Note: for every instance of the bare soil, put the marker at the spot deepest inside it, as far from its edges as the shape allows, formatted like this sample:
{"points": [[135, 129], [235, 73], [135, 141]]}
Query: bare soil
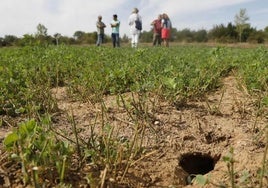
{"points": [[205, 128]]}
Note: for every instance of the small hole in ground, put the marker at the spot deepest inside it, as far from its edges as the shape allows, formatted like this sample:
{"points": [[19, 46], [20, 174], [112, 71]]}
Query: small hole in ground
{"points": [[197, 163]]}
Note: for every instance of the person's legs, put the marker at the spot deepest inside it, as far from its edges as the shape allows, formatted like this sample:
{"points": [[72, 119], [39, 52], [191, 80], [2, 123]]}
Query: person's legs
{"points": [[167, 43], [137, 39], [159, 40], [155, 39], [113, 39], [101, 38], [133, 40], [98, 40], [117, 39]]}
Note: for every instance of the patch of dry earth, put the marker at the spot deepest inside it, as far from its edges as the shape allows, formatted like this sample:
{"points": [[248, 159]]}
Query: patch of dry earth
{"points": [[212, 126]]}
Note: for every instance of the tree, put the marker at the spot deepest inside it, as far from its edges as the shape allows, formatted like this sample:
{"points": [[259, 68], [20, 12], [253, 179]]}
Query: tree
{"points": [[256, 36], [41, 35], [2, 42], [266, 29], [10, 40], [146, 36], [217, 32], [201, 36], [185, 35], [27, 40], [231, 31], [241, 22], [78, 35], [125, 38], [41, 30]]}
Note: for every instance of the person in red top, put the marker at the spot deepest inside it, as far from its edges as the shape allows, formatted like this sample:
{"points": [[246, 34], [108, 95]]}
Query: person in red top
{"points": [[157, 31], [166, 29]]}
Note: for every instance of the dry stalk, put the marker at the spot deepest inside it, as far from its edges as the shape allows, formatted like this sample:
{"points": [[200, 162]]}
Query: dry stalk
{"points": [[104, 176], [264, 160]]}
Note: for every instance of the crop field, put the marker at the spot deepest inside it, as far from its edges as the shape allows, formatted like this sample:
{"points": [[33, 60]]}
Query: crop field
{"points": [[86, 116]]}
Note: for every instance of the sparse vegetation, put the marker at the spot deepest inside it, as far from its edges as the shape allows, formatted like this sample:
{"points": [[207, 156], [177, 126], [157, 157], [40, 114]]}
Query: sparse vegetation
{"points": [[49, 146]]}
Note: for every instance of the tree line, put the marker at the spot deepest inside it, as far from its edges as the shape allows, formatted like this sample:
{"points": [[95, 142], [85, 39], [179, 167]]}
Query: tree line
{"points": [[239, 31]]}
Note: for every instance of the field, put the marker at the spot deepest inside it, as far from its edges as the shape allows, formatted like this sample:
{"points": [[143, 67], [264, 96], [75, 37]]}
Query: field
{"points": [[184, 116]]}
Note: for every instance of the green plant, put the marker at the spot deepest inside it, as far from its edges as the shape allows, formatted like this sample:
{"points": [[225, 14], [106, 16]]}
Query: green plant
{"points": [[215, 109], [176, 75], [37, 150], [229, 159]]}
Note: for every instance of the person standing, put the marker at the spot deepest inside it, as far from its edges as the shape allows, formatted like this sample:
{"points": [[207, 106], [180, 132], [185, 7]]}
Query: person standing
{"points": [[157, 31], [134, 29], [166, 29], [100, 31], [115, 24]]}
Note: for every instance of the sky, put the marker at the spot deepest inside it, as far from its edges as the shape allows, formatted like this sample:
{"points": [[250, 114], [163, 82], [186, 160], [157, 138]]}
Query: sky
{"points": [[19, 17]]}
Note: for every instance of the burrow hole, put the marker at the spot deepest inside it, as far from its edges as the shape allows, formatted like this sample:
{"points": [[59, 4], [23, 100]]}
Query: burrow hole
{"points": [[197, 163]]}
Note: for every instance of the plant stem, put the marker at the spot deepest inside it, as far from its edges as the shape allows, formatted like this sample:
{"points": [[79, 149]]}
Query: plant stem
{"points": [[76, 136], [264, 160]]}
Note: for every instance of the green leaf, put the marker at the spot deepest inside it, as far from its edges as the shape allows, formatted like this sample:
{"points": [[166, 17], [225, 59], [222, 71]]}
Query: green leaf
{"points": [[170, 82], [20, 110], [14, 156], [245, 177], [226, 158], [11, 139], [265, 101], [30, 125], [201, 180]]}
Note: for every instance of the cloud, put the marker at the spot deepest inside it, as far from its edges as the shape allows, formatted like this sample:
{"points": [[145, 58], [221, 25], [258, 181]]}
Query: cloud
{"points": [[12, 12], [260, 11], [181, 10], [180, 7], [19, 17], [63, 16]]}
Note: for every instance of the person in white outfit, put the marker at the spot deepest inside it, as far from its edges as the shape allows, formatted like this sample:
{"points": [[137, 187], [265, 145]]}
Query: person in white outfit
{"points": [[135, 33]]}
